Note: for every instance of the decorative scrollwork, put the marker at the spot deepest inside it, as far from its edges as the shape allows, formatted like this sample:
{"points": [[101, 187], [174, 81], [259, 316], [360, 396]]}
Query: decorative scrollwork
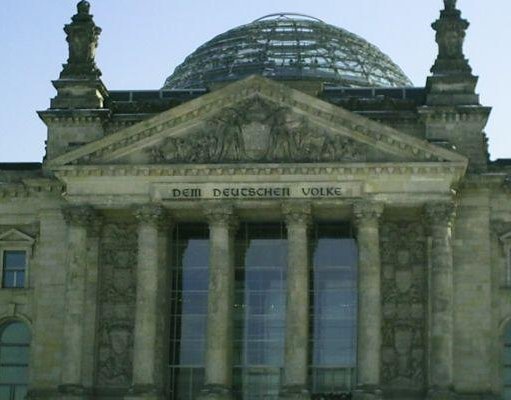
{"points": [[403, 261]]}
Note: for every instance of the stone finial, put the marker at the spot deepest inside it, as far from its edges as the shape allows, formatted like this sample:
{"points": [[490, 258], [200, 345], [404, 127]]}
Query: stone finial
{"points": [[83, 7], [450, 4], [82, 37], [450, 35]]}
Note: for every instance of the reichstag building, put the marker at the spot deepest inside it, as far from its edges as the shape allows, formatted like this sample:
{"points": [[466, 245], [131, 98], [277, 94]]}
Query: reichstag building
{"points": [[288, 217]]}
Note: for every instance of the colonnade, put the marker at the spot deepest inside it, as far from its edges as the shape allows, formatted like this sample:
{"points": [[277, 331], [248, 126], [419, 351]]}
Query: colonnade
{"points": [[218, 356]]}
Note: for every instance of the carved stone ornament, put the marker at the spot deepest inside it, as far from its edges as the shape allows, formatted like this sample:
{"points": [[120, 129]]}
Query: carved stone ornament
{"points": [[221, 214], [450, 35], [440, 213], [117, 297], [151, 214], [80, 215], [297, 213], [257, 130], [82, 38], [365, 211], [404, 304]]}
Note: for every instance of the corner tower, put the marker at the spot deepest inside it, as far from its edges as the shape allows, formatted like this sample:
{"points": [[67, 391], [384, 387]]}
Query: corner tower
{"points": [[76, 115], [453, 112]]}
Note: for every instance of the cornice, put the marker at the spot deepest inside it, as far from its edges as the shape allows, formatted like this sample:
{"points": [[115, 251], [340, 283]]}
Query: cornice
{"points": [[455, 168], [446, 114], [32, 188], [78, 117]]}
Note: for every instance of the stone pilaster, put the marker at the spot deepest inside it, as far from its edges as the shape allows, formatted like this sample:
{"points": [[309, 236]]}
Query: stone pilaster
{"points": [[294, 385], [441, 299], [367, 216], [79, 220], [218, 357], [91, 302], [145, 377]]}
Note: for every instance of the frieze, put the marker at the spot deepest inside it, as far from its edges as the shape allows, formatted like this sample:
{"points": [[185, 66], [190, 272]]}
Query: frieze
{"points": [[117, 297], [403, 260], [256, 130]]}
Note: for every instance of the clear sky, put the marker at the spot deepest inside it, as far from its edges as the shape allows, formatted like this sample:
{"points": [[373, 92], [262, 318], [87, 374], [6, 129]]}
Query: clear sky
{"points": [[143, 41]]}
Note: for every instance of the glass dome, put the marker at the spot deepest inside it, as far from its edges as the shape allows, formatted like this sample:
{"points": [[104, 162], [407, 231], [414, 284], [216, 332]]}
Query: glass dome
{"points": [[288, 47]]}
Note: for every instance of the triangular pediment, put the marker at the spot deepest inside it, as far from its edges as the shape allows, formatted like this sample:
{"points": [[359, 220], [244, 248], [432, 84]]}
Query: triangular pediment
{"points": [[14, 236], [256, 120]]}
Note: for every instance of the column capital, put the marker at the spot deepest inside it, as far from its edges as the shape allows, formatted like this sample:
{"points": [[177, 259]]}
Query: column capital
{"points": [[222, 214], [152, 214], [80, 215], [297, 212], [366, 211], [440, 212]]}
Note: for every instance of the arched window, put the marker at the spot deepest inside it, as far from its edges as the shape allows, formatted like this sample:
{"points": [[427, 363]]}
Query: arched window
{"points": [[14, 353]]}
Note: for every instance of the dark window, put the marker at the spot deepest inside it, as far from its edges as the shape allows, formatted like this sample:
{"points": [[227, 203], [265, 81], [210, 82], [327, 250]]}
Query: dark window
{"points": [[14, 349], [14, 269], [259, 310], [333, 308], [506, 378], [189, 306]]}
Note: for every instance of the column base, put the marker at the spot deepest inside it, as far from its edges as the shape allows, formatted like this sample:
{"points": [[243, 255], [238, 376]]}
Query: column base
{"points": [[73, 392], [144, 392], [367, 392], [440, 394], [215, 392], [298, 392]]}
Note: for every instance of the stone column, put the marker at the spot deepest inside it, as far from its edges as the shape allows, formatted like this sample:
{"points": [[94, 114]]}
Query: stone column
{"points": [[219, 336], [145, 378], [79, 220], [369, 340], [441, 299], [294, 385]]}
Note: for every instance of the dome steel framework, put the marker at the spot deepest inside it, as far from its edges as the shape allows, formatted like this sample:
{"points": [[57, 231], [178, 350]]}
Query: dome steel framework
{"points": [[288, 46]]}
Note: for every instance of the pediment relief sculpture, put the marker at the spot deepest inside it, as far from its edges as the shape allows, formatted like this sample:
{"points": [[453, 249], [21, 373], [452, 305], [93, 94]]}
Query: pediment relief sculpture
{"points": [[257, 131]]}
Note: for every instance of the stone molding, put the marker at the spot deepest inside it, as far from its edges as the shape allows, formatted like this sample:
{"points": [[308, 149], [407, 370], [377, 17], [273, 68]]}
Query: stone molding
{"points": [[83, 216], [263, 169], [32, 188], [297, 213], [152, 214], [367, 211]]}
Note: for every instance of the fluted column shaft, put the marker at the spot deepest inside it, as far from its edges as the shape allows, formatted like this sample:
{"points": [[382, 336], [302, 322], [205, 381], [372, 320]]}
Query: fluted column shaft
{"points": [[79, 221], [441, 295], [150, 220], [369, 297], [298, 218], [218, 356]]}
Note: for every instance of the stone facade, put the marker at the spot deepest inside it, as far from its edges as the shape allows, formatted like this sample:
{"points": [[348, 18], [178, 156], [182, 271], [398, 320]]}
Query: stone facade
{"points": [[432, 217]]}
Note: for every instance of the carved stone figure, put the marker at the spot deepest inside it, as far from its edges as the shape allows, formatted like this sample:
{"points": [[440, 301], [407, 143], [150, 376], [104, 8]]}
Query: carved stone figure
{"points": [[115, 361], [257, 130], [82, 38]]}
